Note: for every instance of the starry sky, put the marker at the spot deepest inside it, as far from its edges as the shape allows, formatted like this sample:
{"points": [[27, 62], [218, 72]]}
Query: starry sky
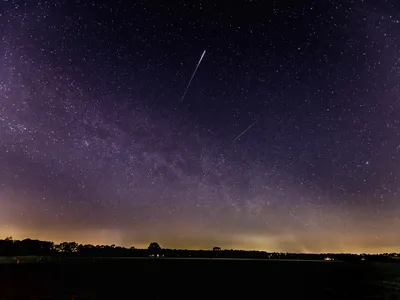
{"points": [[287, 138]]}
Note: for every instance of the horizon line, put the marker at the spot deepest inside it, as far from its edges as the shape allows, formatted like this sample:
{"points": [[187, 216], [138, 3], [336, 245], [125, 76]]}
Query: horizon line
{"points": [[204, 249]]}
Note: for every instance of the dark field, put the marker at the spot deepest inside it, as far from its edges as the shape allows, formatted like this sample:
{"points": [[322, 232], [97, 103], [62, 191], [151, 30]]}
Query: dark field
{"points": [[199, 279]]}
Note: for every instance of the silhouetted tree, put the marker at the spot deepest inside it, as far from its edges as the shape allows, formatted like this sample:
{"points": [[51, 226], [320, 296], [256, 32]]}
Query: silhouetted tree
{"points": [[154, 248], [214, 252], [33, 247], [7, 246], [67, 247]]}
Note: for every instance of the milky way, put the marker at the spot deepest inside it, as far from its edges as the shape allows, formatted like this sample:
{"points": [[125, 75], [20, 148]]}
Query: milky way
{"points": [[96, 147]]}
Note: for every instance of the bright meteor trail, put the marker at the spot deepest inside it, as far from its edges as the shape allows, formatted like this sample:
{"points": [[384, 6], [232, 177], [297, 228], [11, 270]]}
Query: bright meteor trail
{"points": [[194, 73]]}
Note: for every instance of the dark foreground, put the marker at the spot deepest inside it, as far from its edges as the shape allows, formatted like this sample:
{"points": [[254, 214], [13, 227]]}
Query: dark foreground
{"points": [[199, 279]]}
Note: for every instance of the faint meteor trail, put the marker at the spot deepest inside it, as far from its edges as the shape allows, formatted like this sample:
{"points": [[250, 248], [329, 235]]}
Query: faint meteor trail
{"points": [[244, 131], [238, 137], [194, 73]]}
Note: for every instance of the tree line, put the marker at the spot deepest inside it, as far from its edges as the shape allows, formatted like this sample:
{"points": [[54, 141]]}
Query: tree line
{"points": [[30, 247]]}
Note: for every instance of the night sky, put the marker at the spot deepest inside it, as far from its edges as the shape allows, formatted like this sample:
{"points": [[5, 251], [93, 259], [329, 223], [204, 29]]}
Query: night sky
{"points": [[286, 140]]}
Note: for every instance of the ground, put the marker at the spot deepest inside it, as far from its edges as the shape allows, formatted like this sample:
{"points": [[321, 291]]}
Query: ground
{"points": [[200, 279]]}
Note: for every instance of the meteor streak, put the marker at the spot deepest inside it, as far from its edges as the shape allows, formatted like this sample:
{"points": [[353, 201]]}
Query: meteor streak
{"points": [[243, 132], [194, 73]]}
